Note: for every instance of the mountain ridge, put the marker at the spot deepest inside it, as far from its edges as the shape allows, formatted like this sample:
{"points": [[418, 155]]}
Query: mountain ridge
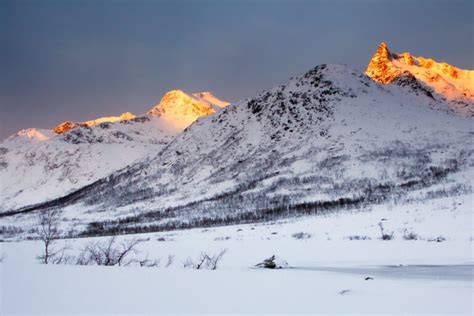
{"points": [[331, 138], [197, 101], [327, 139], [444, 81], [38, 165]]}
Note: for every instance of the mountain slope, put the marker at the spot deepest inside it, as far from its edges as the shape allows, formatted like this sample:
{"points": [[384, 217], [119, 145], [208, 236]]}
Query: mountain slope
{"points": [[39, 165], [209, 98], [446, 82], [328, 139]]}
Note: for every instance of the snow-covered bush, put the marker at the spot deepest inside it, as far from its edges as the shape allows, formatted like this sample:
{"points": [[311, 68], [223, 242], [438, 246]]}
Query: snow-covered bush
{"points": [[385, 236], [273, 262], [409, 235], [437, 239]]}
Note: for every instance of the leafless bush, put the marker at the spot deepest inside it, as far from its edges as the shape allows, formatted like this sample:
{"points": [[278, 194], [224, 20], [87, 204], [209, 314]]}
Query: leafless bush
{"points": [[301, 235], [385, 236], [2, 257], [223, 238], [201, 262], [110, 253], [358, 237], [205, 261], [214, 260]]}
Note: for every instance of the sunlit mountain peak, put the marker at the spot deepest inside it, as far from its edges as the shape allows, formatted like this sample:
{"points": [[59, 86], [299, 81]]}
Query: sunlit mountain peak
{"points": [[68, 125], [181, 109], [33, 134], [447, 81]]}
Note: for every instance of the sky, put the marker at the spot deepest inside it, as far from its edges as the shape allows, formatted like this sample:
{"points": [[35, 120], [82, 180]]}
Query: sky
{"points": [[78, 60]]}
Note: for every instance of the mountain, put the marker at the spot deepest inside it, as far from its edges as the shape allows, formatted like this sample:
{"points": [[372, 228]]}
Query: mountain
{"points": [[443, 81], [66, 126], [32, 135], [329, 139], [172, 110], [37, 165]]}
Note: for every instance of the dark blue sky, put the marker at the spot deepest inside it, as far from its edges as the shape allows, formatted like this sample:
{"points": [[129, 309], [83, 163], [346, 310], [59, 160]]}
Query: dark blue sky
{"points": [[79, 60]]}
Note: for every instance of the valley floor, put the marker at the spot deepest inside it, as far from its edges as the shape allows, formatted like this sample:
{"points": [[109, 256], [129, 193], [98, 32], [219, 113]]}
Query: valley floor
{"points": [[327, 274]]}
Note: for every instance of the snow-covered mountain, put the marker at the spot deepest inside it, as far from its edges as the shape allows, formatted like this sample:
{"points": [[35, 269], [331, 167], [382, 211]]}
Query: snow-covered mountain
{"points": [[37, 165], [443, 81], [65, 126], [329, 139]]}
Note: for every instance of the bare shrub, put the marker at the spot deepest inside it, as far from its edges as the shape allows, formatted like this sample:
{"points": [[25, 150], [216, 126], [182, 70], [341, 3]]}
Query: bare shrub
{"points": [[213, 261], [301, 235], [2, 257], [205, 261], [385, 236], [201, 262], [110, 253], [223, 238], [358, 237]]}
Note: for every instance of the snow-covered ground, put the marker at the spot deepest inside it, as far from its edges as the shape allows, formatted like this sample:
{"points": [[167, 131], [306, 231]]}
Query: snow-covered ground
{"points": [[327, 274]]}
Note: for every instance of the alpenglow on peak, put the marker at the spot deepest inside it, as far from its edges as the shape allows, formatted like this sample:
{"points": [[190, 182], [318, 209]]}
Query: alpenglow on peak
{"points": [[446, 81]]}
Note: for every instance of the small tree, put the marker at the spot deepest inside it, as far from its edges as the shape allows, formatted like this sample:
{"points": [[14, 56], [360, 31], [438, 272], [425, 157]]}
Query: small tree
{"points": [[48, 232]]}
